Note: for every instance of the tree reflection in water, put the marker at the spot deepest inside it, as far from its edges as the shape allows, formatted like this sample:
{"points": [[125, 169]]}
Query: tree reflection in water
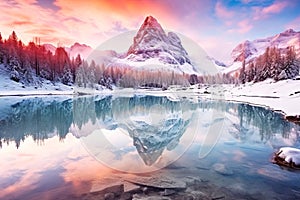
{"points": [[41, 118]]}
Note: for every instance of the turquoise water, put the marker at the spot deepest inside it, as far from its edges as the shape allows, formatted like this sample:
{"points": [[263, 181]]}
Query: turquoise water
{"points": [[59, 146]]}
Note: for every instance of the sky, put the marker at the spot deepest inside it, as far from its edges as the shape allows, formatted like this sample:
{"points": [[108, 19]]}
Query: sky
{"points": [[216, 25]]}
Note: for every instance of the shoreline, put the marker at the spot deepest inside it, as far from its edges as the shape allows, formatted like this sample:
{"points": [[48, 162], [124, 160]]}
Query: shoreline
{"points": [[282, 96]]}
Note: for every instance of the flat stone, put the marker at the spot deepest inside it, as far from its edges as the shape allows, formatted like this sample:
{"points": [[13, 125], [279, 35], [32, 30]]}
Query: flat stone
{"points": [[130, 187], [116, 188], [222, 169], [162, 182]]}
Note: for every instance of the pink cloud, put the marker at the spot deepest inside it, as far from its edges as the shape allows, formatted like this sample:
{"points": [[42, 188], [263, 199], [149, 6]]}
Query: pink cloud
{"points": [[265, 12], [243, 26], [276, 7], [222, 12]]}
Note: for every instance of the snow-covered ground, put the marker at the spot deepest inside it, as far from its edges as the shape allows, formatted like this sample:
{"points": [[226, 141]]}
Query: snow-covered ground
{"points": [[279, 96], [9, 87]]}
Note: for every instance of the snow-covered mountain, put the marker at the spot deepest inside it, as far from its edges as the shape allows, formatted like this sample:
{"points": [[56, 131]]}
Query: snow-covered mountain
{"points": [[249, 50], [252, 49], [154, 49], [82, 49], [50, 47]]}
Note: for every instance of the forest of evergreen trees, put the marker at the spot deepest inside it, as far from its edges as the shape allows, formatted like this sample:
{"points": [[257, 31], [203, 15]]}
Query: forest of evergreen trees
{"points": [[275, 63], [31, 64]]}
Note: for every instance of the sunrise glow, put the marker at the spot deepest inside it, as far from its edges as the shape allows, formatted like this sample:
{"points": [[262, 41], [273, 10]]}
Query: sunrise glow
{"points": [[210, 23]]}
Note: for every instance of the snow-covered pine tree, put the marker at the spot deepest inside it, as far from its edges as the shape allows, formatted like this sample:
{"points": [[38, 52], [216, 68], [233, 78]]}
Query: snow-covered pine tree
{"points": [[82, 75], [242, 76], [91, 74], [67, 77], [290, 67]]}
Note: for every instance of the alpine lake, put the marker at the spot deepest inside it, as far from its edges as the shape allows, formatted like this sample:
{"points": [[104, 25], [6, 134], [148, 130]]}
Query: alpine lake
{"points": [[142, 146]]}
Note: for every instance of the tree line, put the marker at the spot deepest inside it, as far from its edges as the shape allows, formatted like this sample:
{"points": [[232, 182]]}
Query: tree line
{"points": [[275, 63], [30, 64]]}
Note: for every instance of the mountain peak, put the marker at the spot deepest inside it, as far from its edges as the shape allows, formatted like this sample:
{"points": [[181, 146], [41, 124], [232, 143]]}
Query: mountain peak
{"points": [[151, 41], [290, 30], [151, 22], [150, 32]]}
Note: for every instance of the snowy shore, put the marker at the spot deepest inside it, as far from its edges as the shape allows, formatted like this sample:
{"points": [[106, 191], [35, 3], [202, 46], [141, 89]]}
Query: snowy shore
{"points": [[283, 96]]}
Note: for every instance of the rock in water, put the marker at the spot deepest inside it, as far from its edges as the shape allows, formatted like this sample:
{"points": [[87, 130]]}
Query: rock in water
{"points": [[168, 192], [222, 169], [288, 156], [158, 182], [109, 196]]}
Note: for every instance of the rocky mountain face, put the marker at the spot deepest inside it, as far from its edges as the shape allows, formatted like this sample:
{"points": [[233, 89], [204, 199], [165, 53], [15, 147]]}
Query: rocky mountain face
{"points": [[151, 41]]}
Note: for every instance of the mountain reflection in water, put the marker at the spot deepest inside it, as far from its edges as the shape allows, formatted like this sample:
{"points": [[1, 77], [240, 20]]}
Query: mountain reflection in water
{"points": [[135, 134], [42, 117]]}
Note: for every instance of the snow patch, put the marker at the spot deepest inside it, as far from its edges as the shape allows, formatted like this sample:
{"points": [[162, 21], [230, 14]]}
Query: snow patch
{"points": [[290, 155]]}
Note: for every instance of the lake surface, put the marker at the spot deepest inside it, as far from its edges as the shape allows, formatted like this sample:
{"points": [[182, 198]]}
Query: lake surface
{"points": [[60, 147]]}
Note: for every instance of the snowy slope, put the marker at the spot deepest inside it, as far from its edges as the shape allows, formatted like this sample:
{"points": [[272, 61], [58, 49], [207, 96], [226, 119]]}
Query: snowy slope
{"points": [[252, 49], [45, 87]]}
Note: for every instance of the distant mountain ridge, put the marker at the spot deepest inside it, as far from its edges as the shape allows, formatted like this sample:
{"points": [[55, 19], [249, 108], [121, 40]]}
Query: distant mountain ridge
{"points": [[77, 48], [252, 49]]}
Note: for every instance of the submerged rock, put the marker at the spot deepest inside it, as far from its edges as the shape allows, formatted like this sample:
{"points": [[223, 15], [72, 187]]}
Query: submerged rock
{"points": [[161, 182], [168, 192], [222, 169], [109, 196], [131, 188], [154, 197], [108, 186], [198, 195]]}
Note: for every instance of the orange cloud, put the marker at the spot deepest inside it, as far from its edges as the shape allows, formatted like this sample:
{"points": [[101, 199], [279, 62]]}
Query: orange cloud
{"points": [[93, 22], [20, 23]]}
